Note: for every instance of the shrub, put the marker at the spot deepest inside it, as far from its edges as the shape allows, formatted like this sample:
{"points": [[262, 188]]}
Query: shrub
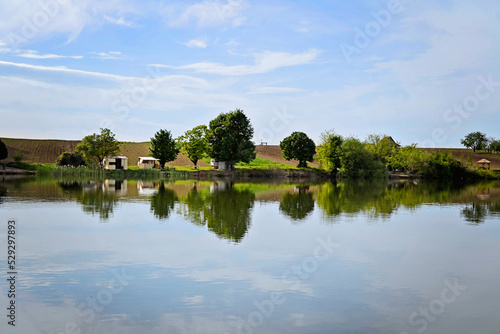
{"points": [[19, 156], [70, 159]]}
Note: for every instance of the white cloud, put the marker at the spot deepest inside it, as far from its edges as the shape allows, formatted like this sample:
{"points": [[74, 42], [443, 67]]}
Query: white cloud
{"points": [[35, 55], [263, 63], [22, 22], [63, 69], [119, 21], [108, 55], [209, 13], [196, 43], [275, 90]]}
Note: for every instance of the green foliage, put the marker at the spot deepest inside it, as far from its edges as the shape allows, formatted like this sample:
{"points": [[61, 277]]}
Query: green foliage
{"points": [[382, 147], [194, 143], [163, 147], [442, 166], [408, 159], [493, 145], [98, 146], [70, 159], [230, 138], [330, 151], [3, 150], [475, 140], [298, 146], [19, 156], [359, 162]]}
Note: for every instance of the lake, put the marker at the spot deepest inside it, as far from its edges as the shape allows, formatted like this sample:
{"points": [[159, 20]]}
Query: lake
{"points": [[149, 256]]}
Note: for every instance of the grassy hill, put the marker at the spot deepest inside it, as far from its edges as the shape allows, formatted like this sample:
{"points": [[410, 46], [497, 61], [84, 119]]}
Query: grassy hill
{"points": [[47, 151]]}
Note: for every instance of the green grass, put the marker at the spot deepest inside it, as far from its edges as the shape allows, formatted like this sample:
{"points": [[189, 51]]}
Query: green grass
{"points": [[259, 163]]}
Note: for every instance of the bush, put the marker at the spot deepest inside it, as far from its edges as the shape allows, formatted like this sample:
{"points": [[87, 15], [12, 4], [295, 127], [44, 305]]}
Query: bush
{"points": [[358, 162], [19, 156], [70, 159], [442, 165]]}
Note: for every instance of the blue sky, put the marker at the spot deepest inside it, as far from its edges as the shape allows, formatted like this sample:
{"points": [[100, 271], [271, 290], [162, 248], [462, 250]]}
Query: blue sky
{"points": [[422, 72]]}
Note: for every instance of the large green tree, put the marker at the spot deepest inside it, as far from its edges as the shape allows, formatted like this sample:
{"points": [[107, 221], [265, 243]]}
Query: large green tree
{"points": [[330, 151], [298, 146], [163, 147], [3, 151], [98, 146], [194, 143], [230, 138], [475, 140]]}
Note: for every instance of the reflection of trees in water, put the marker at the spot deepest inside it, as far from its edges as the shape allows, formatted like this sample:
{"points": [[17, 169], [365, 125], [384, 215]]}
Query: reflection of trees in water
{"points": [[382, 199], [477, 212], [3, 193], [226, 212], [91, 197], [297, 205], [163, 202]]}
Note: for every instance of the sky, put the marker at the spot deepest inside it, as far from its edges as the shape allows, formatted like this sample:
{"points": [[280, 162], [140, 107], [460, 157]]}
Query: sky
{"points": [[424, 72]]}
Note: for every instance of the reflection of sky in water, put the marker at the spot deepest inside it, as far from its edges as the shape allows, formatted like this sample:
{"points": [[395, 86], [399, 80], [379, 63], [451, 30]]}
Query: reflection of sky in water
{"points": [[187, 280]]}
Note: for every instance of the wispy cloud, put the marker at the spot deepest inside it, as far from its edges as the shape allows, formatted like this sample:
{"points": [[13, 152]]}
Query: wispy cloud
{"points": [[120, 21], [196, 43], [35, 55], [63, 69], [208, 13], [275, 90], [263, 63], [108, 55]]}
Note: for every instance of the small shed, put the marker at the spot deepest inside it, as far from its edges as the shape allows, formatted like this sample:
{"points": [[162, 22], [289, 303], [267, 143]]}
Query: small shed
{"points": [[148, 163], [115, 162], [484, 164], [223, 165]]}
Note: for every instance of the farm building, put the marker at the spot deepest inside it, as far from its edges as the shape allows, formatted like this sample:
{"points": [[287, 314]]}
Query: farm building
{"points": [[115, 162], [484, 164], [223, 165], [148, 163]]}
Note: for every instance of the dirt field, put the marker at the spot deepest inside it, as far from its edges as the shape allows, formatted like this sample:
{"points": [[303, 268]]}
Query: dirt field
{"points": [[47, 151], [463, 154]]}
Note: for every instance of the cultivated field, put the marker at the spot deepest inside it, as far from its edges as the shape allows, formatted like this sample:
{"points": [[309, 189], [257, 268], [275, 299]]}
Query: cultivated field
{"points": [[47, 151]]}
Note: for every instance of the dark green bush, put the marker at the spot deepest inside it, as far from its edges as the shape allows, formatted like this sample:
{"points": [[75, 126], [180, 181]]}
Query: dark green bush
{"points": [[70, 159]]}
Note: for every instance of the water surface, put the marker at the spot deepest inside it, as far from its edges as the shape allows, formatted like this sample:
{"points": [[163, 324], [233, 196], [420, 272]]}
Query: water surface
{"points": [[137, 256]]}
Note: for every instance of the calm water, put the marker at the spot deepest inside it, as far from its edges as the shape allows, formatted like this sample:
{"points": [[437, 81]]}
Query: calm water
{"points": [[203, 257]]}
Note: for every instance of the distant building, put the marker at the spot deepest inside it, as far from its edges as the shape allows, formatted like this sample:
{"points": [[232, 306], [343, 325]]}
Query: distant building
{"points": [[148, 163], [390, 140], [484, 164], [222, 165], [115, 162]]}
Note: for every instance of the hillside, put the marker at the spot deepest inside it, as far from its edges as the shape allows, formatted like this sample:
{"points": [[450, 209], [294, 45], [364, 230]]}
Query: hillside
{"points": [[47, 151]]}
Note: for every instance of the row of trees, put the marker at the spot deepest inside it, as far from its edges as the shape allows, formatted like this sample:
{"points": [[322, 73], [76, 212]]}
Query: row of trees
{"points": [[228, 137], [479, 141]]}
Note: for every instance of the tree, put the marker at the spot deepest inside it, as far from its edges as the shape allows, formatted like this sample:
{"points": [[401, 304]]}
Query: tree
{"points": [[163, 147], [359, 162], [230, 138], [330, 150], [495, 145], [70, 159], [298, 146], [475, 140], [98, 146], [18, 156], [3, 152], [382, 146], [194, 143]]}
